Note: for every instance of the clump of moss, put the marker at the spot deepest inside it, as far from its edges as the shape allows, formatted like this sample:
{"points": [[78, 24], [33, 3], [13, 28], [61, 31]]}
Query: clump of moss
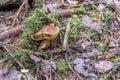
{"points": [[36, 21], [62, 66], [21, 56], [37, 3], [75, 25]]}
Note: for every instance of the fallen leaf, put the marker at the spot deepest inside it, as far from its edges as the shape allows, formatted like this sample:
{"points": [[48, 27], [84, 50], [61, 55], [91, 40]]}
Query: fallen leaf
{"points": [[8, 74], [35, 58], [94, 52], [52, 7], [87, 46], [113, 44], [110, 2], [77, 47], [103, 66], [83, 66], [89, 23], [46, 66]]}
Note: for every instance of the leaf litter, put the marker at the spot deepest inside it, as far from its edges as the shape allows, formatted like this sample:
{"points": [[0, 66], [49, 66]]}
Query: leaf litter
{"points": [[90, 57]]}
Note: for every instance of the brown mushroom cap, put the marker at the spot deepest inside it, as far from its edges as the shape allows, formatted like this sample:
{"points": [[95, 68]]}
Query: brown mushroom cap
{"points": [[49, 32]]}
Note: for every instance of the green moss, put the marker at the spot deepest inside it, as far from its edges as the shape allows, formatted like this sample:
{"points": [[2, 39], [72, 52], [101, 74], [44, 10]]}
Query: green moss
{"points": [[75, 25], [22, 56], [38, 3], [62, 66], [116, 59], [1, 54], [36, 21], [100, 46]]}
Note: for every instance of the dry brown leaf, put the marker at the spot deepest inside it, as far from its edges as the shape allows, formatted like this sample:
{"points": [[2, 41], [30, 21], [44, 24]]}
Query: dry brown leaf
{"points": [[8, 74], [93, 25], [103, 66]]}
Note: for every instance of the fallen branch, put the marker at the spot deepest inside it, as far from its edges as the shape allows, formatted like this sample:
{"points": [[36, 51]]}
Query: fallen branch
{"points": [[11, 32]]}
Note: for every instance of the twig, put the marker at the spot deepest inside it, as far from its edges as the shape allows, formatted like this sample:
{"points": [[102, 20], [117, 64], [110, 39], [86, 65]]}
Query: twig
{"points": [[8, 51], [26, 7], [17, 14], [24, 50], [12, 56], [56, 50], [65, 42]]}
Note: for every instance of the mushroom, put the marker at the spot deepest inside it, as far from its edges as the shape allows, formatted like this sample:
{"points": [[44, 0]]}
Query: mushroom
{"points": [[46, 34]]}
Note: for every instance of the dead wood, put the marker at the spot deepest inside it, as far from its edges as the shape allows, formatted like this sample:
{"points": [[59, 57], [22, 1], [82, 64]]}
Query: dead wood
{"points": [[11, 32]]}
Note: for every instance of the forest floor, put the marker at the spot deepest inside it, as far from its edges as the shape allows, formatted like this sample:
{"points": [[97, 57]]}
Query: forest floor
{"points": [[61, 40]]}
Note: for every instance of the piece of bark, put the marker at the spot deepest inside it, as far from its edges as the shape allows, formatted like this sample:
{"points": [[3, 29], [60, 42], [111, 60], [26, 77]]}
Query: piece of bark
{"points": [[11, 32]]}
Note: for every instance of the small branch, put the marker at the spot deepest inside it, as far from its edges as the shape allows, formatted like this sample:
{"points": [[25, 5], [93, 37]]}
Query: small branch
{"points": [[26, 7], [11, 32], [24, 50], [8, 51]]}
